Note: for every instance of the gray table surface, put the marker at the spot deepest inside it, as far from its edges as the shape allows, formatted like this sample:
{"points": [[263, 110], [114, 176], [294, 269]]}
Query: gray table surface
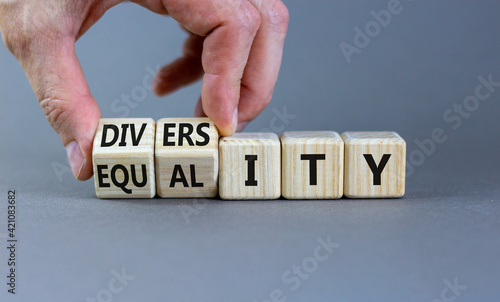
{"points": [[445, 230]]}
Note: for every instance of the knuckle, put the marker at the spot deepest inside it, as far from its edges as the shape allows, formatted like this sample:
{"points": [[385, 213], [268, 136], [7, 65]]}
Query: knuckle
{"points": [[30, 29], [17, 43], [249, 19], [25, 40], [15, 29], [278, 16], [55, 111]]}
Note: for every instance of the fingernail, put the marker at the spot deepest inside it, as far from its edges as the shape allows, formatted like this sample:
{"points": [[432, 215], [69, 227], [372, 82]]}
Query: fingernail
{"points": [[234, 124], [76, 158], [241, 126]]}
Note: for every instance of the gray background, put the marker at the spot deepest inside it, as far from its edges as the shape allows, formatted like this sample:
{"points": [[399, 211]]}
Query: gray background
{"points": [[446, 227]]}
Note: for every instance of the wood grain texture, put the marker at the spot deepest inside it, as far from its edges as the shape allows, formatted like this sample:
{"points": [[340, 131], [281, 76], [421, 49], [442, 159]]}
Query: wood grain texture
{"points": [[359, 179], [237, 155], [123, 160], [187, 165], [312, 165]]}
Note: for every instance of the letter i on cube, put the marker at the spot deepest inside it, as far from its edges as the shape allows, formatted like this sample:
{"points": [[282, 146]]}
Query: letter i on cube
{"points": [[123, 158], [250, 166]]}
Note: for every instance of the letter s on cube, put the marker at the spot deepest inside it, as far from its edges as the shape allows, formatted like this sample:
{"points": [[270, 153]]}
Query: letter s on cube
{"points": [[123, 158]]}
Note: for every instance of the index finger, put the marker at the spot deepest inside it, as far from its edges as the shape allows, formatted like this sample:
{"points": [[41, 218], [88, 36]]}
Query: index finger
{"points": [[261, 72], [230, 28]]}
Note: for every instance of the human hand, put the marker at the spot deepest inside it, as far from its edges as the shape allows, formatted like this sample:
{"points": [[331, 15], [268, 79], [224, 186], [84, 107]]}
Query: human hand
{"points": [[235, 45]]}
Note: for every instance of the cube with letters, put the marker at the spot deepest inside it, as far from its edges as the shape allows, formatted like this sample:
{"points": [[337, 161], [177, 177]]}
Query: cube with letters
{"points": [[187, 158], [123, 158], [374, 164], [312, 165], [250, 166]]}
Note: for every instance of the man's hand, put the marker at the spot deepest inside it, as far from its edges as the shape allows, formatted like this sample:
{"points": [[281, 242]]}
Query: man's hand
{"points": [[236, 45]]}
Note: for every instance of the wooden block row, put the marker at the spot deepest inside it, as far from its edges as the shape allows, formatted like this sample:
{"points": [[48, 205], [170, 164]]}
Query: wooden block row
{"points": [[180, 158]]}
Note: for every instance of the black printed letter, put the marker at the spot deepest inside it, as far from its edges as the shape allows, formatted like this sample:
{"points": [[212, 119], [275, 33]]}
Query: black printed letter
{"points": [[313, 171], [377, 171], [251, 181]]}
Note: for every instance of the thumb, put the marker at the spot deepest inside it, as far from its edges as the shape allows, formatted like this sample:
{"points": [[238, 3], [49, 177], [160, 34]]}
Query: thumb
{"points": [[60, 86]]}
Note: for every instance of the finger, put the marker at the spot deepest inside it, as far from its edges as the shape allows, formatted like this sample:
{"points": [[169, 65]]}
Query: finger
{"points": [[224, 59], [261, 72], [198, 112], [183, 71], [60, 86], [198, 109], [230, 28]]}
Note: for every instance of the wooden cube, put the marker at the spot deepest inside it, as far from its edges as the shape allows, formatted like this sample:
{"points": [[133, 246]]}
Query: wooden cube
{"points": [[250, 166], [187, 157], [123, 158], [312, 165], [374, 164]]}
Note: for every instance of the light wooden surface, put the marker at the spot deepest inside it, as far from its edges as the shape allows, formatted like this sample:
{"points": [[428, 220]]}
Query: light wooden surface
{"points": [[234, 179], [359, 178], [190, 169], [121, 165], [312, 165]]}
